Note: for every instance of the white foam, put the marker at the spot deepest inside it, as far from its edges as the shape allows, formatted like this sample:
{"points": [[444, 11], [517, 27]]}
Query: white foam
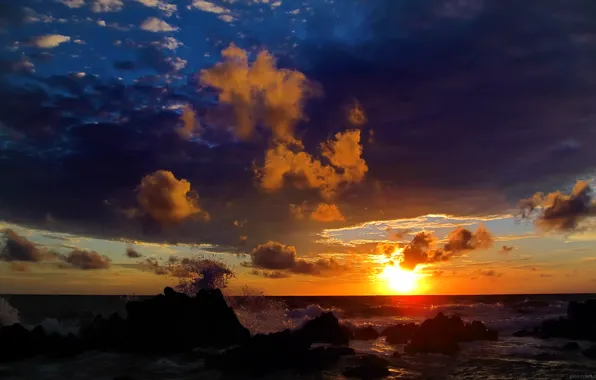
{"points": [[53, 326], [9, 315]]}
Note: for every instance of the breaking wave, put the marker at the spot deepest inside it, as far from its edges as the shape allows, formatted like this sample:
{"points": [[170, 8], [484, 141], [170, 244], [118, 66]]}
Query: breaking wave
{"points": [[8, 314]]}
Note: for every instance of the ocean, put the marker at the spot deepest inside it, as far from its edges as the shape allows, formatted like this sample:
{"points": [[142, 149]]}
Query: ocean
{"points": [[508, 358]]}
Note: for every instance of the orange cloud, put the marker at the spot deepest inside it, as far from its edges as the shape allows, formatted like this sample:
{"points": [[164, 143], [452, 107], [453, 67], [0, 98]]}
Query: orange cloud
{"points": [[190, 123], [356, 114], [344, 154], [166, 199], [296, 212], [259, 93], [327, 213]]}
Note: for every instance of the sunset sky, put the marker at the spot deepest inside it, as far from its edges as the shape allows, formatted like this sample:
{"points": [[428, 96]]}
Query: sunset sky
{"points": [[316, 147]]}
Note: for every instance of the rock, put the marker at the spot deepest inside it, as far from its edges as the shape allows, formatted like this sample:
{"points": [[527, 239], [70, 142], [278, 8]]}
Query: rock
{"points": [[590, 353], [401, 333], [571, 346], [579, 324], [175, 322], [523, 333], [370, 367], [365, 333], [325, 329], [17, 343]]}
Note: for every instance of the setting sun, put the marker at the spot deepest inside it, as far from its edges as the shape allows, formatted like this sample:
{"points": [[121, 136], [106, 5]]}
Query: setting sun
{"points": [[399, 280]]}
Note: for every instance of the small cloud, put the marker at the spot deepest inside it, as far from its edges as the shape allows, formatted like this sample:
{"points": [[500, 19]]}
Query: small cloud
{"points": [[488, 273], [86, 260], [168, 200], [327, 213], [239, 224], [296, 212], [132, 253], [19, 248], [153, 24], [356, 115], [169, 43], [506, 249], [162, 5], [80, 42], [207, 6], [72, 3], [100, 6], [49, 41], [190, 123], [269, 274], [18, 266]]}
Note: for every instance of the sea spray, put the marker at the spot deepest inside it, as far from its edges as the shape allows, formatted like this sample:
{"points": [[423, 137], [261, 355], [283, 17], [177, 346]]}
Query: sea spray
{"points": [[8, 314]]}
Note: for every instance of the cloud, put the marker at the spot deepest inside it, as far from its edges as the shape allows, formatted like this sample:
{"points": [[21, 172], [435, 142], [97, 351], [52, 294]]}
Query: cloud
{"points": [[207, 6], [72, 3], [153, 24], [506, 249], [190, 123], [259, 93], [167, 200], [132, 253], [423, 247], [19, 248], [100, 6], [49, 41], [86, 260], [327, 213], [344, 153], [488, 273], [277, 256], [560, 212], [356, 115], [162, 5], [296, 211], [269, 274], [18, 266], [169, 43]]}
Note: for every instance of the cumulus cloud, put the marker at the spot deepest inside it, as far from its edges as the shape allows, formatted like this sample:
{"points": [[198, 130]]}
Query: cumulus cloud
{"points": [[207, 6], [277, 256], [153, 24], [343, 152], [327, 213], [488, 273], [49, 41], [86, 260], [169, 43], [132, 253], [19, 248], [423, 249], [168, 200], [162, 5], [259, 93], [560, 212], [190, 123], [99, 6]]}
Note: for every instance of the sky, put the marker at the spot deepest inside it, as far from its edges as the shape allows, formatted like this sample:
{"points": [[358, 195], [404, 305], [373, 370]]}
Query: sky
{"points": [[313, 147]]}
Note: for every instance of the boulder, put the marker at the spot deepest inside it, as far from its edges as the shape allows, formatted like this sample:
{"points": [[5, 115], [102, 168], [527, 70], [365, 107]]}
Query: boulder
{"points": [[325, 329], [365, 333], [571, 346], [16, 343], [442, 335], [590, 353], [579, 324]]}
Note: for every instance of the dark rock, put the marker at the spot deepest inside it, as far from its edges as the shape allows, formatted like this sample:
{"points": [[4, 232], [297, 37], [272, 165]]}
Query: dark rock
{"points": [[523, 333], [547, 356], [442, 335], [370, 367], [571, 346], [579, 324], [590, 353], [401, 333], [365, 333], [325, 329], [16, 343]]}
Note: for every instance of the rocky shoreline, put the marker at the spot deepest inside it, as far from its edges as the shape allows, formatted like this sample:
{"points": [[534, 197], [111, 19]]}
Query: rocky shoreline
{"points": [[173, 322]]}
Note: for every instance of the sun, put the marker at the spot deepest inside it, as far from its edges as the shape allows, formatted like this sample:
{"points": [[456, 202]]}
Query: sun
{"points": [[399, 280]]}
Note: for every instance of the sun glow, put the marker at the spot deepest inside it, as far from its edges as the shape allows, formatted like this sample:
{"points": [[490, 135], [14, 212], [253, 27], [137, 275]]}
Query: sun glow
{"points": [[399, 280]]}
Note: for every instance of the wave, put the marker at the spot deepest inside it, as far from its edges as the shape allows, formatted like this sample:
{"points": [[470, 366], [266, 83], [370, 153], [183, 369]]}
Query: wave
{"points": [[53, 326], [9, 314]]}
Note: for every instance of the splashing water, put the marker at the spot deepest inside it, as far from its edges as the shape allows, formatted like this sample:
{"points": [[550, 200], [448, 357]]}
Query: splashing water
{"points": [[259, 314], [8, 314]]}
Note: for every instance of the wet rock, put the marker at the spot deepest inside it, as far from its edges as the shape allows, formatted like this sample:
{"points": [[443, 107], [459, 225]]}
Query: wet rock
{"points": [[400, 333], [365, 333], [579, 324], [571, 346], [16, 343], [325, 329], [442, 335], [370, 367]]}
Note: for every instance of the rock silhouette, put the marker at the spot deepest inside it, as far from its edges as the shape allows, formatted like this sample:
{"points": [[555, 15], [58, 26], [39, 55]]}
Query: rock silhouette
{"points": [[579, 324]]}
